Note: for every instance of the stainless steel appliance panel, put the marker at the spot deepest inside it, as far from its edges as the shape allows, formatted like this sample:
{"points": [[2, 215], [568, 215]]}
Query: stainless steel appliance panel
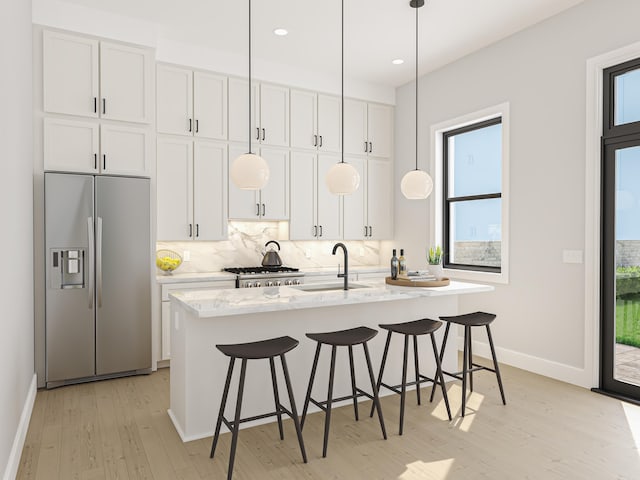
{"points": [[123, 275], [70, 327]]}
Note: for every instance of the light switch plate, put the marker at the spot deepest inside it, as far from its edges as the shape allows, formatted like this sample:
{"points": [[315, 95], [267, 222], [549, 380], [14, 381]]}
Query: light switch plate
{"points": [[572, 256]]}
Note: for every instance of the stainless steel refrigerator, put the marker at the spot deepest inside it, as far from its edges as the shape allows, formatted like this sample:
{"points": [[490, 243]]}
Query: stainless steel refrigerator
{"points": [[98, 274]]}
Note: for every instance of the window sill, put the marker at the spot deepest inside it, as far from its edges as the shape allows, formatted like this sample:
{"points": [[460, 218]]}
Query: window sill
{"points": [[488, 277]]}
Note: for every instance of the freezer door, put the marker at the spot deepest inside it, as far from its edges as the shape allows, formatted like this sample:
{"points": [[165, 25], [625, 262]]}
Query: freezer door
{"points": [[69, 314], [123, 275]]}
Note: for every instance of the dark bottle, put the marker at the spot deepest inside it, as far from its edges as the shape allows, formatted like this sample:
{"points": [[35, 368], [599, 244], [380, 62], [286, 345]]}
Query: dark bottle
{"points": [[395, 264], [402, 264]]}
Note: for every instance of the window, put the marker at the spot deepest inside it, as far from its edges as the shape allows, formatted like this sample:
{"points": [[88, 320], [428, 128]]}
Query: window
{"points": [[471, 164]]}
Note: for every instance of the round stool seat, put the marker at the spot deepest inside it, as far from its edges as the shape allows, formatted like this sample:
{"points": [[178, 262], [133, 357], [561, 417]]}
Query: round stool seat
{"points": [[415, 327], [351, 336], [475, 319], [263, 349]]}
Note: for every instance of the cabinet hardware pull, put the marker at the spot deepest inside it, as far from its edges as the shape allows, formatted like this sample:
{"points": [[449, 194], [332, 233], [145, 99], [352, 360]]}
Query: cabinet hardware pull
{"points": [[370, 147], [257, 133], [370, 231], [197, 127], [263, 210], [365, 231], [197, 229], [365, 147], [190, 230], [95, 161], [189, 124], [258, 210], [104, 161], [263, 134], [95, 104], [320, 230], [321, 140], [315, 140], [315, 230], [104, 106]]}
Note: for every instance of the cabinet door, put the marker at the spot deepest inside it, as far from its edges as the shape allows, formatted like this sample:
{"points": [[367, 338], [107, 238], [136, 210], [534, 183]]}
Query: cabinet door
{"points": [[274, 197], [126, 83], [174, 100], [174, 187], [303, 120], [210, 105], [354, 204], [380, 130], [70, 74], [210, 190], [239, 110], [328, 204], [303, 224], [380, 198], [329, 123], [355, 127], [166, 330], [274, 115], [125, 150], [243, 204], [70, 146]]}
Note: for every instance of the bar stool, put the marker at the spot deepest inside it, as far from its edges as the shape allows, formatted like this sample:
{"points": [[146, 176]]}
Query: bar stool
{"points": [[412, 329], [475, 319], [250, 351], [342, 338]]}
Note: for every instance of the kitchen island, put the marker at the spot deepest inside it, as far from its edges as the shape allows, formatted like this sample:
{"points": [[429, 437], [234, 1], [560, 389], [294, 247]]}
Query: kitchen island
{"points": [[202, 319]]}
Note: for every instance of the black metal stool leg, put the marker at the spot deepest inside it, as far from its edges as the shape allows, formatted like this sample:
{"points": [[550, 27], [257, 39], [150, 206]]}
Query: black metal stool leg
{"points": [[313, 375], [276, 397], [327, 416], [223, 404], [384, 361], [376, 398], [495, 365], [465, 360], [444, 343], [294, 411], [470, 362], [353, 383], [417, 366], [403, 387], [236, 422], [439, 375]]}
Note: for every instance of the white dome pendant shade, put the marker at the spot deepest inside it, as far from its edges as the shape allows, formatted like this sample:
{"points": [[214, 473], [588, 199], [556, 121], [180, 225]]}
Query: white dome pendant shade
{"points": [[416, 185], [342, 179], [249, 172]]}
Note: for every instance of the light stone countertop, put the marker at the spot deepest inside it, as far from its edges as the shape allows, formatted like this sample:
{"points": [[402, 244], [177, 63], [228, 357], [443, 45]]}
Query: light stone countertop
{"points": [[220, 303]]}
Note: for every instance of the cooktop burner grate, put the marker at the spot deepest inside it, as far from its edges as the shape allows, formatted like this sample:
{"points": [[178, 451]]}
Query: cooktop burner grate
{"points": [[250, 270]]}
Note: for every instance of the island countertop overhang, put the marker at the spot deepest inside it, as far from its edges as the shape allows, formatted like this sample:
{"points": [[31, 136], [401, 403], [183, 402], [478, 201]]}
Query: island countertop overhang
{"points": [[241, 301]]}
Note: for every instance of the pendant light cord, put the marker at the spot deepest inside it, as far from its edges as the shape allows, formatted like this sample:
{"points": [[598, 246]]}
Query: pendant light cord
{"points": [[417, 8], [250, 129], [342, 73]]}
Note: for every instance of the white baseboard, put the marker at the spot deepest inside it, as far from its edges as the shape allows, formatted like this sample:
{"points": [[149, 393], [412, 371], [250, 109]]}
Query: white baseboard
{"points": [[541, 366], [21, 434]]}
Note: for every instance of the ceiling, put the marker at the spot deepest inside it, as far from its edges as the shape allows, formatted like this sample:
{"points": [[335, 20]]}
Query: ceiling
{"points": [[376, 31]]}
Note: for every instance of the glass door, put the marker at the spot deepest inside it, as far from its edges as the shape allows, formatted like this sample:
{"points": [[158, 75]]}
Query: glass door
{"points": [[620, 308]]}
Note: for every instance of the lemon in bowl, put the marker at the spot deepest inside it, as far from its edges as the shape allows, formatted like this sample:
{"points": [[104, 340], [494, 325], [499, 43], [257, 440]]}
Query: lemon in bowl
{"points": [[168, 261]]}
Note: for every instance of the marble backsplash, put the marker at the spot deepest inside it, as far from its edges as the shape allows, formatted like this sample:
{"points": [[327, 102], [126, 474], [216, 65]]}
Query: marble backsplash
{"points": [[245, 248]]}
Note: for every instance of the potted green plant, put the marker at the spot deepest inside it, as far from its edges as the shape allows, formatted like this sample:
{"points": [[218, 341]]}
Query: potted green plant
{"points": [[434, 259]]}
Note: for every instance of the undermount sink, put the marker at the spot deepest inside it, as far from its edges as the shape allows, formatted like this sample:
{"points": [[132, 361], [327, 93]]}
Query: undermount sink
{"points": [[326, 287]]}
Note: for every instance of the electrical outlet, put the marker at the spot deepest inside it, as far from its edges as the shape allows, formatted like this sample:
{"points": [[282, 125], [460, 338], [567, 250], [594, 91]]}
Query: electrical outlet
{"points": [[361, 251], [186, 255], [572, 256]]}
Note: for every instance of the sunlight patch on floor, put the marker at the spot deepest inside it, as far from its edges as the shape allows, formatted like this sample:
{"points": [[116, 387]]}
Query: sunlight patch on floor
{"points": [[474, 401], [632, 413], [420, 469]]}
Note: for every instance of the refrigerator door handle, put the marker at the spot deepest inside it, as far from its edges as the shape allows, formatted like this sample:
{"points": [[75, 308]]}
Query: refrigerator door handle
{"points": [[90, 241], [99, 260]]}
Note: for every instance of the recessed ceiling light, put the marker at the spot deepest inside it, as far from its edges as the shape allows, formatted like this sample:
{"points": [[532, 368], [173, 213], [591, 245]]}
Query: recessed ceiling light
{"points": [[281, 32], [397, 61]]}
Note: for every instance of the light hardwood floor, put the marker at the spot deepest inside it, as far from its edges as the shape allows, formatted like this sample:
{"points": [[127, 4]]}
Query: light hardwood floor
{"points": [[119, 429]]}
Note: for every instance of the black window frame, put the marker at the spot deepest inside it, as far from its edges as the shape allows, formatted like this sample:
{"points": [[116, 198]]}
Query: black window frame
{"points": [[447, 201], [609, 129]]}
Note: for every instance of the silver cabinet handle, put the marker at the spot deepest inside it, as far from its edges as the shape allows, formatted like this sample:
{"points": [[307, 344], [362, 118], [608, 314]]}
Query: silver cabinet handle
{"points": [[99, 260], [90, 241], [257, 209], [264, 210]]}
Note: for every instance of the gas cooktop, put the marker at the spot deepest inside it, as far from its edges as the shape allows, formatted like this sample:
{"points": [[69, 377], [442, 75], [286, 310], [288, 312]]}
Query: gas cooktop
{"points": [[257, 270]]}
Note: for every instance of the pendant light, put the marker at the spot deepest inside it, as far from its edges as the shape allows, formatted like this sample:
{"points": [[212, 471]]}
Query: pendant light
{"points": [[342, 178], [416, 184], [249, 171]]}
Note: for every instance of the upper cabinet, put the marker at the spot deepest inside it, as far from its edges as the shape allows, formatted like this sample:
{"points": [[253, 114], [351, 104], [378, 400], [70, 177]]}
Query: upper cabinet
{"points": [[191, 103], [368, 129], [269, 113], [97, 79], [315, 121]]}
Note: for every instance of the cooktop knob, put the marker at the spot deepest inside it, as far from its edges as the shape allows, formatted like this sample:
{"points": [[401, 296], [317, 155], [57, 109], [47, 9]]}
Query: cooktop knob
{"points": [[287, 282], [298, 282], [268, 283], [256, 284], [278, 283]]}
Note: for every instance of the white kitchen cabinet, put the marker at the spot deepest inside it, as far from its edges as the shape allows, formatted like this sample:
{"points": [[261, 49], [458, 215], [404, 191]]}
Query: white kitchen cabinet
{"points": [[368, 128], [93, 78], [269, 203], [368, 212], [315, 212], [315, 121], [191, 181], [269, 113], [88, 147], [191, 103]]}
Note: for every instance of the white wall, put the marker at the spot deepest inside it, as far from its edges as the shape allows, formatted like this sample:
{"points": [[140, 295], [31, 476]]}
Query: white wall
{"points": [[16, 239], [542, 73]]}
